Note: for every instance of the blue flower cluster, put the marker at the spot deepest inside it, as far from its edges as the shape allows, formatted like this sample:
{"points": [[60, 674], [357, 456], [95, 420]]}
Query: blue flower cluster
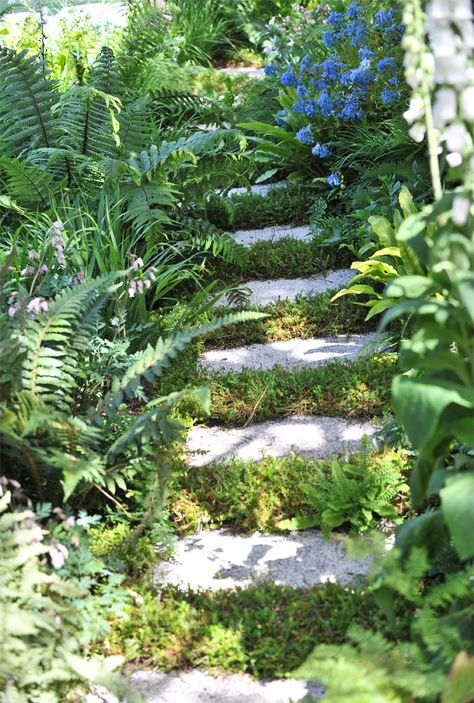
{"points": [[358, 68]]}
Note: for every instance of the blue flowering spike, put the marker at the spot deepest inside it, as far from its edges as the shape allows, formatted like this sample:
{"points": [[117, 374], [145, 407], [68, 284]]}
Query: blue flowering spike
{"points": [[388, 96], [325, 104], [270, 70], [387, 65], [304, 135], [321, 150], [334, 179], [288, 78]]}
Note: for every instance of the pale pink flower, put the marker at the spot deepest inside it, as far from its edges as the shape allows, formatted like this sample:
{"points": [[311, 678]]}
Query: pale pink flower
{"points": [[32, 255], [37, 305], [137, 263], [28, 271]]}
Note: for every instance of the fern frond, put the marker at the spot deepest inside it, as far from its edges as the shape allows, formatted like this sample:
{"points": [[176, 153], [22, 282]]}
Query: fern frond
{"points": [[88, 122], [54, 339], [104, 75], [28, 184], [154, 360], [204, 237], [135, 126], [27, 98]]}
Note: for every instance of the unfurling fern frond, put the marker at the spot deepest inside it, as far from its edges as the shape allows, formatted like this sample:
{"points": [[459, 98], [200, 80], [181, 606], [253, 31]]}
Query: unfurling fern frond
{"points": [[56, 338], [26, 101], [28, 184], [151, 363], [104, 75]]}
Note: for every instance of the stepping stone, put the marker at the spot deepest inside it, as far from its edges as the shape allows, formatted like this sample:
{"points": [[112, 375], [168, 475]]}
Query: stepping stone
{"points": [[196, 686], [243, 71], [267, 292], [257, 189], [219, 560], [248, 237], [291, 354], [313, 437]]}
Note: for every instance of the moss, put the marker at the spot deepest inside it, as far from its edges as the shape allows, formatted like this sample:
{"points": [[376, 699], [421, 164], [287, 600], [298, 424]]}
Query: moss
{"points": [[249, 495], [266, 630]]}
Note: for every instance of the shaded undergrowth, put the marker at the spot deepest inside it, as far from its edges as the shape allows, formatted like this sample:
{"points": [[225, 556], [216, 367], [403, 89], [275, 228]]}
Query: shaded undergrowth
{"points": [[265, 630]]}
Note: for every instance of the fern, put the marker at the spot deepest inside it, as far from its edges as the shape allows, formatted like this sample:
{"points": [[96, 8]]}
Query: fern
{"points": [[88, 122], [27, 97], [28, 183], [204, 237], [135, 126], [154, 360], [104, 75], [54, 339]]}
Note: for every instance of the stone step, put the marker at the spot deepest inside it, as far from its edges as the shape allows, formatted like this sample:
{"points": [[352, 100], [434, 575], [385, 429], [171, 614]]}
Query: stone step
{"points": [[257, 189], [249, 237], [194, 686], [267, 292], [293, 353], [313, 437], [219, 560], [249, 71]]}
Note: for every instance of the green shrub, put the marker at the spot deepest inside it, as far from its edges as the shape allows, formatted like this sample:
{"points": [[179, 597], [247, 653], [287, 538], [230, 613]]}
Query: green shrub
{"points": [[118, 542]]}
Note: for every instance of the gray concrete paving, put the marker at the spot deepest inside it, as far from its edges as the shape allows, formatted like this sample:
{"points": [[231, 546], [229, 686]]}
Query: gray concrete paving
{"points": [[292, 353], [315, 437]]}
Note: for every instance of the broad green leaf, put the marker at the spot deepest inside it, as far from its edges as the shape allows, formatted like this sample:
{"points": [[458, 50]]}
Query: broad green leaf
{"points": [[300, 522], [409, 287], [383, 229], [354, 290], [457, 499], [378, 307]]}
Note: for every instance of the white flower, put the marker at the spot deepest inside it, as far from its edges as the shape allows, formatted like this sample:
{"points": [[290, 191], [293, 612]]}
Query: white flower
{"points": [[138, 263], [461, 207], [415, 110], [12, 310], [455, 137], [444, 110], [417, 132], [28, 271], [467, 103], [37, 305], [58, 554], [32, 255], [454, 159]]}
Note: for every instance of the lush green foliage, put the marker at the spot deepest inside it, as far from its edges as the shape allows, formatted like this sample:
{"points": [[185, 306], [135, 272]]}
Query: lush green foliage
{"points": [[263, 496], [42, 634], [357, 389], [241, 630]]}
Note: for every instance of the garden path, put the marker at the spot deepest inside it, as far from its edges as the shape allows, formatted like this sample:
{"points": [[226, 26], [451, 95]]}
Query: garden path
{"points": [[218, 559]]}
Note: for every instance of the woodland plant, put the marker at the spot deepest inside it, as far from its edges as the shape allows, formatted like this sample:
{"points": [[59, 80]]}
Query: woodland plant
{"points": [[352, 75], [431, 564], [43, 636]]}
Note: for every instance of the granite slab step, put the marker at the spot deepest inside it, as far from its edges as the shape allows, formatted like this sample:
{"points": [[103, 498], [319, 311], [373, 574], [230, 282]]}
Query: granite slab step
{"points": [[267, 292], [257, 189], [249, 237], [292, 353], [313, 437], [248, 71], [194, 686], [219, 560]]}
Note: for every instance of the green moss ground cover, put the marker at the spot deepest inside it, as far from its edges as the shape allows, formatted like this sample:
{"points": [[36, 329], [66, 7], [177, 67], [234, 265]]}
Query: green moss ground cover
{"points": [[250, 495], [266, 630], [284, 258], [359, 389], [304, 317]]}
